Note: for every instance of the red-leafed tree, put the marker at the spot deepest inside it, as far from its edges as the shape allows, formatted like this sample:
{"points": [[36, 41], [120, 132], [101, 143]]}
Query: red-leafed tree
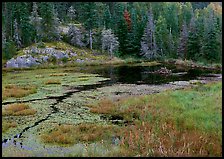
{"points": [[127, 18]]}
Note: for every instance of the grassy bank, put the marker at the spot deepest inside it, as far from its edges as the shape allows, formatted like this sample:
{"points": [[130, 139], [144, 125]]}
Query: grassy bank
{"points": [[173, 123]]}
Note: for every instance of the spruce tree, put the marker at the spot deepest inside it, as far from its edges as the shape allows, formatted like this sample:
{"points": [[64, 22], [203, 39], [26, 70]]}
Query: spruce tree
{"points": [[162, 34], [35, 20], [50, 22], [193, 45]]}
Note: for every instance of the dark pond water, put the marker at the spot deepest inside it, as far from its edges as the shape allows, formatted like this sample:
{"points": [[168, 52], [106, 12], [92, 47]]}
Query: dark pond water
{"points": [[127, 74]]}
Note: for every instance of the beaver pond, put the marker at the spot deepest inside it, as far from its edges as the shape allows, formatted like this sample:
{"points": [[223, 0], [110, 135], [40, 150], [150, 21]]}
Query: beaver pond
{"points": [[66, 100]]}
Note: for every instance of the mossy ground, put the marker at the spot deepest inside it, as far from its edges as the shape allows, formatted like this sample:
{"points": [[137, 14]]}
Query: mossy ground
{"points": [[47, 82]]}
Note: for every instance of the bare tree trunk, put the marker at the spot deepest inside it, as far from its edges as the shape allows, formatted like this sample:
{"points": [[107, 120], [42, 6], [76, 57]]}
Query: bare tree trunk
{"points": [[110, 50], [90, 39]]}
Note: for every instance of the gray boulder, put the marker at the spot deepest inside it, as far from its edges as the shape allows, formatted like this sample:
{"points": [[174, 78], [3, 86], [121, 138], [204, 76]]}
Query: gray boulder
{"points": [[79, 60], [11, 63]]}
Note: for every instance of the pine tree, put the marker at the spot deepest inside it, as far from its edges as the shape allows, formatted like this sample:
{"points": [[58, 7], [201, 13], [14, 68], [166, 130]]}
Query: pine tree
{"points": [[109, 41], [16, 36], [182, 47], [35, 20], [148, 43]]}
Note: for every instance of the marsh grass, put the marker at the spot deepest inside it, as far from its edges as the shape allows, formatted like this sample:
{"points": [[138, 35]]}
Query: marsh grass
{"points": [[173, 123], [52, 81], [18, 109], [86, 132], [17, 91], [7, 125]]}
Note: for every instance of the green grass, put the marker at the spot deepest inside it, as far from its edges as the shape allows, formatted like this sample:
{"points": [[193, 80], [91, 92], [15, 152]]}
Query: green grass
{"points": [[172, 123]]}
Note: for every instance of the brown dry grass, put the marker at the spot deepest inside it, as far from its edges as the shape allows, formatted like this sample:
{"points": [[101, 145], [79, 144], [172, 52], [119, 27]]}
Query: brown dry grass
{"points": [[70, 134], [7, 125], [17, 91], [146, 139], [52, 81], [129, 112], [16, 109]]}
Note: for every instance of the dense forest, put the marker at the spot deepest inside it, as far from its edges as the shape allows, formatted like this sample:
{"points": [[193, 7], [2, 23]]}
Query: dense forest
{"points": [[154, 30]]}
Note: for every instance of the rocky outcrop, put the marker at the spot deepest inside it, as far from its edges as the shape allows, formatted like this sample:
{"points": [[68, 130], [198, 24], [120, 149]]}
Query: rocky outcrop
{"points": [[36, 56], [22, 61]]}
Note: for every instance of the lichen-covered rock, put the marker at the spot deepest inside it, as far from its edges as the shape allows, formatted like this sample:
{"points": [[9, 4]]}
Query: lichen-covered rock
{"points": [[44, 58], [11, 63], [79, 60], [60, 55], [22, 61]]}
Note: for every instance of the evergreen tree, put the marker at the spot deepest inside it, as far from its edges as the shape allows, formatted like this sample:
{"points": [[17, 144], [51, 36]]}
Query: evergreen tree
{"points": [[148, 43], [162, 33], [107, 18], [193, 45], [16, 36], [89, 18], [171, 45], [211, 47], [21, 13], [35, 20], [182, 47], [50, 23]]}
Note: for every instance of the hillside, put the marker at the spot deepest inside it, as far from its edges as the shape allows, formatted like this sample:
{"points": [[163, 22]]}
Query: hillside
{"points": [[55, 53]]}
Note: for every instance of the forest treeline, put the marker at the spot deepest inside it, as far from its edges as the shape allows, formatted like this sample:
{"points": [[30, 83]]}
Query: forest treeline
{"points": [[155, 30]]}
